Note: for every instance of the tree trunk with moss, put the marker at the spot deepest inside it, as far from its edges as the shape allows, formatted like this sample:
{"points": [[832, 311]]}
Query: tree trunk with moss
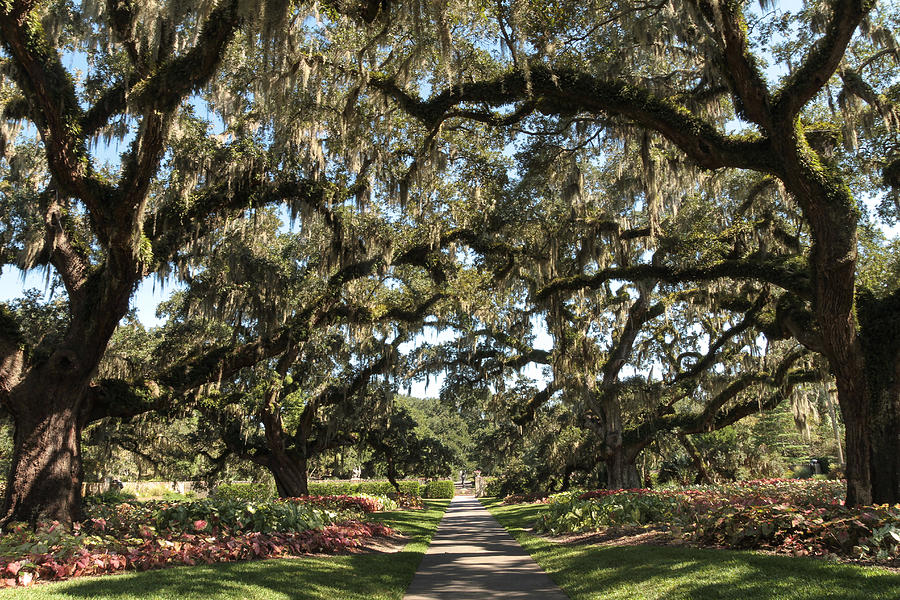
{"points": [[88, 226], [880, 335], [621, 470], [44, 480], [291, 475]]}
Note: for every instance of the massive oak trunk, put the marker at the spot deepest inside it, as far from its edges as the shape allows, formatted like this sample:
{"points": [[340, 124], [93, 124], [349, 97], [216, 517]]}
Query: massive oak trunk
{"points": [[833, 217], [44, 480], [884, 433], [880, 336], [288, 466], [50, 401], [621, 470], [291, 476]]}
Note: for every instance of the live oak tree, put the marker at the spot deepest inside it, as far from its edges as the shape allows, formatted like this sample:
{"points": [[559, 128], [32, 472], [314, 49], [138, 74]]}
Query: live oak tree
{"points": [[85, 78], [87, 226], [689, 77], [401, 448]]}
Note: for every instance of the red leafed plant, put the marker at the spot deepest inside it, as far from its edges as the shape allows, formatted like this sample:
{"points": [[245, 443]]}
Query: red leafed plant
{"points": [[182, 549]]}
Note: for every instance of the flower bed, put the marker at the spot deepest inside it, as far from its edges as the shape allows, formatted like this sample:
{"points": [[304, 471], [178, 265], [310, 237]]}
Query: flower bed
{"points": [[802, 517], [145, 535], [53, 557]]}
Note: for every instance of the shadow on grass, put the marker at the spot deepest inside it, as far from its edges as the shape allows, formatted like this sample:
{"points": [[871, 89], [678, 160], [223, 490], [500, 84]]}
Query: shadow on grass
{"points": [[358, 576], [671, 572], [656, 572]]}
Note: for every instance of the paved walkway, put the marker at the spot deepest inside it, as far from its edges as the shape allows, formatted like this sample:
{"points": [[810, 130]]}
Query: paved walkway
{"points": [[472, 556]]}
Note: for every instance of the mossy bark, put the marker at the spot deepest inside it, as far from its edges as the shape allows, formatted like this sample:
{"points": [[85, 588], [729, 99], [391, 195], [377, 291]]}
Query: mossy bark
{"points": [[44, 480], [291, 475], [880, 336], [619, 457], [884, 433], [621, 470]]}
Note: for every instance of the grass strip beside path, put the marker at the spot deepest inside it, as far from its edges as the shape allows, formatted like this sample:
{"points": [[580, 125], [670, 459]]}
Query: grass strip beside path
{"points": [[354, 576], [655, 572]]}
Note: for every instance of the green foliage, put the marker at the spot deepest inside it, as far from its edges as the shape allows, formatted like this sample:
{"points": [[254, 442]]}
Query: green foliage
{"points": [[374, 488], [243, 492], [400, 448], [801, 517], [569, 513], [243, 516], [438, 489], [439, 421], [493, 487], [376, 576]]}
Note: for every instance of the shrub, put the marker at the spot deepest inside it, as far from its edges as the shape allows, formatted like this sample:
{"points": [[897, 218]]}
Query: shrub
{"points": [[801, 517], [333, 488], [242, 517], [492, 487], [801, 472], [50, 558], [374, 488], [383, 488], [172, 496], [442, 488], [243, 492], [406, 501], [526, 498], [362, 503], [145, 490], [519, 479]]}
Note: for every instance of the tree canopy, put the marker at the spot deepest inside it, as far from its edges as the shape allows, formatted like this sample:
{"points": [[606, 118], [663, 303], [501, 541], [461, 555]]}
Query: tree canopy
{"points": [[677, 190]]}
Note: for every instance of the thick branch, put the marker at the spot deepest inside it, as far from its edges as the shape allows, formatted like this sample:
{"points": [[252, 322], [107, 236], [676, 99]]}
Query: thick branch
{"points": [[706, 361], [174, 225], [12, 352], [781, 272], [54, 106], [123, 400], [823, 59], [567, 91], [640, 313], [745, 79]]}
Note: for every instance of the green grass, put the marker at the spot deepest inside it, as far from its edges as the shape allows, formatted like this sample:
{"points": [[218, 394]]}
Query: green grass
{"points": [[648, 572], [355, 576]]}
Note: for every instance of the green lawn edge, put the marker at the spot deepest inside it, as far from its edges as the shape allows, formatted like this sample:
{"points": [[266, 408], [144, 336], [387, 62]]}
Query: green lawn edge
{"points": [[661, 572], [384, 576]]}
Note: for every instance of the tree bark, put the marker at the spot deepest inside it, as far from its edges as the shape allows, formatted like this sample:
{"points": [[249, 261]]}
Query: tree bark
{"points": [[392, 472], [621, 470], [831, 211], [291, 477], [884, 432], [880, 336], [44, 480], [703, 476]]}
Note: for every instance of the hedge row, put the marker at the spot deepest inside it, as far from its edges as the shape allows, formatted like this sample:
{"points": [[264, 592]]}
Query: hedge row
{"points": [[257, 492], [376, 488], [442, 488]]}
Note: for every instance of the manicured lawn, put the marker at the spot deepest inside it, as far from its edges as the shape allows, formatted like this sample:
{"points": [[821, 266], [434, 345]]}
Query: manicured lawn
{"points": [[648, 572], [362, 576]]}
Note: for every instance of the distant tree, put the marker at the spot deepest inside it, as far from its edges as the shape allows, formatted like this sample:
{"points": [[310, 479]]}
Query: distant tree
{"points": [[400, 448]]}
